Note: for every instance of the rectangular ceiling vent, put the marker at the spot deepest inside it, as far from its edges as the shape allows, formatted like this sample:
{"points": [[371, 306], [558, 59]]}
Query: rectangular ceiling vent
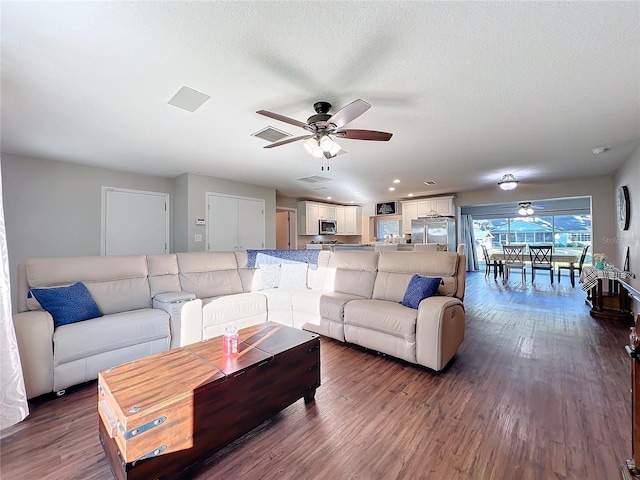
{"points": [[430, 182], [271, 134], [315, 179]]}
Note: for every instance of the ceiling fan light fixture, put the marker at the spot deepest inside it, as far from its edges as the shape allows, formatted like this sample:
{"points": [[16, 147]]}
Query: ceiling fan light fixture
{"points": [[508, 182], [335, 148], [312, 147], [326, 144], [525, 209]]}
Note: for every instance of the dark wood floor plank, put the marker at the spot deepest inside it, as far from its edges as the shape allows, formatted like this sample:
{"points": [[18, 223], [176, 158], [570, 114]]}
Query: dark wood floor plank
{"points": [[539, 390]]}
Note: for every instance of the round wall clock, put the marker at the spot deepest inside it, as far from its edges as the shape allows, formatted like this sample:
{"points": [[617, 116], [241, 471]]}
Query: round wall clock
{"points": [[623, 208]]}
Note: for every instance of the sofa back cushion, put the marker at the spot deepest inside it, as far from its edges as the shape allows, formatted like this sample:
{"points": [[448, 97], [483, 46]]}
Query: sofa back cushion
{"points": [[163, 274], [353, 272], [395, 270], [117, 283], [209, 274]]}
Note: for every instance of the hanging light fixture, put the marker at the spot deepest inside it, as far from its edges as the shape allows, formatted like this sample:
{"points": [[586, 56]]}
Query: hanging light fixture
{"points": [[313, 148], [508, 182], [525, 209], [317, 146]]}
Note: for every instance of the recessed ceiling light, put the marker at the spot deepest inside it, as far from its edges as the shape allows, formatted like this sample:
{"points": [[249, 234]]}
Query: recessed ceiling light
{"points": [[392, 189], [410, 195], [599, 150], [328, 198], [396, 181]]}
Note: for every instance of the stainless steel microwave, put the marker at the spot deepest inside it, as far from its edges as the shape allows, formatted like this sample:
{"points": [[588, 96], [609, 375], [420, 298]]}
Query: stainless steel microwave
{"points": [[328, 227]]}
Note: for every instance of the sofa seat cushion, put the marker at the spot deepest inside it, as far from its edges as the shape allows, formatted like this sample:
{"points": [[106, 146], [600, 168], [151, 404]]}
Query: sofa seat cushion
{"points": [[278, 298], [110, 332], [382, 316], [332, 305], [306, 301], [230, 308]]}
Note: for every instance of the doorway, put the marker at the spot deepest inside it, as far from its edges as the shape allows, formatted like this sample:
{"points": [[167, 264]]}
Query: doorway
{"points": [[286, 229]]}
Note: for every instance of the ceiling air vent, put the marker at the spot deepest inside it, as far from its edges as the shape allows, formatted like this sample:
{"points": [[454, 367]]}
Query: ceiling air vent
{"points": [[271, 134], [430, 182], [315, 179]]}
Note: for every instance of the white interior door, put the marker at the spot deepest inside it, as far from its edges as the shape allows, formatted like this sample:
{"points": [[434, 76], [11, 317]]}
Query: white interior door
{"points": [[250, 223], [134, 222], [222, 223], [234, 223]]}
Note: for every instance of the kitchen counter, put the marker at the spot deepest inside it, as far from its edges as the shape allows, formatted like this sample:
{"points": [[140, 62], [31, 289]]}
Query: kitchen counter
{"points": [[402, 247]]}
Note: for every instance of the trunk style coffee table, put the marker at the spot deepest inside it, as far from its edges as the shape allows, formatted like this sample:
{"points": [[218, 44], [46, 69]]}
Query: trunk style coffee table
{"points": [[163, 413]]}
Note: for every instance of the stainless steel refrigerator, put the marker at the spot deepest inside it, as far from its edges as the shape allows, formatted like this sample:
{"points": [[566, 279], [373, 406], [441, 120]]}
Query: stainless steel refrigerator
{"points": [[435, 230]]}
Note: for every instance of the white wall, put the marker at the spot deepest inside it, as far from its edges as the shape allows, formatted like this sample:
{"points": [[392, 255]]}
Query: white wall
{"points": [[197, 188], [629, 174], [52, 209]]}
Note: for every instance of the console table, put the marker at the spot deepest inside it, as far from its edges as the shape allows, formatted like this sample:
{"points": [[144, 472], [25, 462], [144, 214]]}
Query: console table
{"points": [[612, 304]]}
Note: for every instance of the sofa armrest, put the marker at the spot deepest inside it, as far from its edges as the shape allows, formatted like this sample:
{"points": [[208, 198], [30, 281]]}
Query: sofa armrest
{"points": [[185, 312], [34, 334], [439, 330]]}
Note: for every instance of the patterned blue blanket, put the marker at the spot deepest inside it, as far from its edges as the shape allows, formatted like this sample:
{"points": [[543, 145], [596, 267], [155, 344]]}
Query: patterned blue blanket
{"points": [[261, 257]]}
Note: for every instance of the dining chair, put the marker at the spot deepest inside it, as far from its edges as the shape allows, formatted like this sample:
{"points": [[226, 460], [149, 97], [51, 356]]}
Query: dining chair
{"points": [[514, 260], [541, 259], [583, 255], [489, 263]]}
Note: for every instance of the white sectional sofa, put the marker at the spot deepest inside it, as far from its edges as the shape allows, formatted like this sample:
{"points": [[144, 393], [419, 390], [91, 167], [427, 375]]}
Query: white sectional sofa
{"points": [[151, 303]]}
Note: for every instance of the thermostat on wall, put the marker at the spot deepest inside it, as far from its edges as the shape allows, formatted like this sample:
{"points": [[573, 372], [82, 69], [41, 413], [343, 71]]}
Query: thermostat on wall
{"points": [[200, 221]]}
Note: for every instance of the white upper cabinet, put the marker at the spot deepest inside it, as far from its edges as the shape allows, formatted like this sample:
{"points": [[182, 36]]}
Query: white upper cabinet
{"points": [[409, 212], [426, 207], [340, 218], [353, 221], [348, 218]]}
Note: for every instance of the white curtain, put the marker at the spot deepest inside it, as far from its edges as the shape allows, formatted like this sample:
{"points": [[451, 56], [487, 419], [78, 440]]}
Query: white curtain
{"points": [[469, 239], [13, 406]]}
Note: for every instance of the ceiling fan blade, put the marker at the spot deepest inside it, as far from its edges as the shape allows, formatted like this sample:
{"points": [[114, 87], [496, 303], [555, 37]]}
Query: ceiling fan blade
{"points": [[348, 113], [364, 135], [288, 140], [284, 119]]}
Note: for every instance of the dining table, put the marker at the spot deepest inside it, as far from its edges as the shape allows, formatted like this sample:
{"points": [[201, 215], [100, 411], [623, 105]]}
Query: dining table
{"points": [[498, 257]]}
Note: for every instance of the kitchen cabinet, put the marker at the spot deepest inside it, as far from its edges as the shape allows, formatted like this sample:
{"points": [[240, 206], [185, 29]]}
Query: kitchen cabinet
{"points": [[352, 221], [326, 212], [409, 212], [426, 207], [348, 218], [308, 218], [340, 218]]}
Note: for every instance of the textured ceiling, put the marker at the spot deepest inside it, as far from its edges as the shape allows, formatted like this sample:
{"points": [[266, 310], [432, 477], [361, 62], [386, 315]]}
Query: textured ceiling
{"points": [[470, 90]]}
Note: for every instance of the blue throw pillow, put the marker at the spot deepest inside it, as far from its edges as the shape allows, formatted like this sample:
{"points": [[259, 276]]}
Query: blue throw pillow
{"points": [[418, 289], [67, 304]]}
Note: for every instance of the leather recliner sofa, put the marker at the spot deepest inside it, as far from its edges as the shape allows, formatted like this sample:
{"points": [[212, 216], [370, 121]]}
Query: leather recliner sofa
{"points": [[151, 303]]}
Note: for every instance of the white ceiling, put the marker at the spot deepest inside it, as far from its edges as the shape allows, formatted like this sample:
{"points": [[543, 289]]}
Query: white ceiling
{"points": [[470, 90]]}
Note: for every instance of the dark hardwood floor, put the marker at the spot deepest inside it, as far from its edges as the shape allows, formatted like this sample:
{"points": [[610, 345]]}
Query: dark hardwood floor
{"points": [[539, 390]]}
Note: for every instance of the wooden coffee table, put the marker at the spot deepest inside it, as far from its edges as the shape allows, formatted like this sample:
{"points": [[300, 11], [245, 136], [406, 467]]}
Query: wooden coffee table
{"points": [[165, 412]]}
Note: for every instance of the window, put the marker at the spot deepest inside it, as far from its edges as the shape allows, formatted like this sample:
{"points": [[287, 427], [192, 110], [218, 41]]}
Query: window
{"points": [[386, 228], [567, 233]]}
